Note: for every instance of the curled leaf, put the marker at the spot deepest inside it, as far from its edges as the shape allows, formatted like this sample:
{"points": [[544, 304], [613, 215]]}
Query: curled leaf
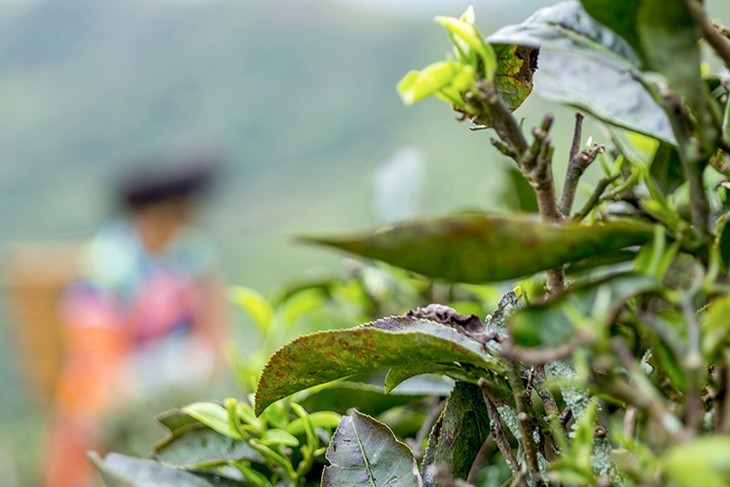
{"points": [[322, 357]]}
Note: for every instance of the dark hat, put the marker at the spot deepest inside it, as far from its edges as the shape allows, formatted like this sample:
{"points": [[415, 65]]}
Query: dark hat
{"points": [[156, 180]]}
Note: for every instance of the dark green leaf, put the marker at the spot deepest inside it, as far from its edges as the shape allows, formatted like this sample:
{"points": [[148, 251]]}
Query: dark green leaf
{"points": [[666, 168], [670, 364], [458, 435], [202, 448], [328, 355], [586, 65], [397, 375], [603, 260], [341, 396], [619, 17], [364, 451], [567, 27], [518, 193], [429, 384], [478, 248], [550, 324], [176, 420], [668, 34], [122, 471]]}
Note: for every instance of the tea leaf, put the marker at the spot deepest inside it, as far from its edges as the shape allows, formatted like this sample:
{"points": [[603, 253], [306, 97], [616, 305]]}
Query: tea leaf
{"points": [[213, 416], [122, 471], [586, 65], [705, 461], [552, 323], [479, 248], [364, 451], [322, 357], [459, 433], [202, 448]]}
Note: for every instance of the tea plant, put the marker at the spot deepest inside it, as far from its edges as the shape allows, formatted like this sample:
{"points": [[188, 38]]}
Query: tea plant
{"points": [[609, 362]]}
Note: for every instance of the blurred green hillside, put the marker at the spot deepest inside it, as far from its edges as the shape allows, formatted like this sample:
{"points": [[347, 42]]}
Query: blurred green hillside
{"points": [[299, 97]]}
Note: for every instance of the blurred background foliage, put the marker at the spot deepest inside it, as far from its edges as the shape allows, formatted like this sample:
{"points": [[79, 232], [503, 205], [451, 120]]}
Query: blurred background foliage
{"points": [[299, 97]]}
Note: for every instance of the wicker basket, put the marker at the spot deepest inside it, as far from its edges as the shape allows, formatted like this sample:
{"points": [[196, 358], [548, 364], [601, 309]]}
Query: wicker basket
{"points": [[36, 275]]}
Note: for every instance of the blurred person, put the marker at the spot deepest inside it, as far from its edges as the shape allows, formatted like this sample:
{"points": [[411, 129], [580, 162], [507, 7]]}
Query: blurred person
{"points": [[148, 316]]}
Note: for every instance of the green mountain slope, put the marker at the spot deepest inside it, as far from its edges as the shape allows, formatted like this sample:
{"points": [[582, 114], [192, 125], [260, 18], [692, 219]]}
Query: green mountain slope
{"points": [[299, 96]]}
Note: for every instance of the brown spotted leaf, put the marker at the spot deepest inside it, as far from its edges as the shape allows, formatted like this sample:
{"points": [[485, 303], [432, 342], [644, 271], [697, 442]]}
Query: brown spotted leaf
{"points": [[478, 248], [325, 356], [515, 67]]}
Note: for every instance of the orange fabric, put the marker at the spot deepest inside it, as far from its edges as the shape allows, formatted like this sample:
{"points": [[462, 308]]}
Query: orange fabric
{"points": [[85, 394], [67, 464], [88, 379]]}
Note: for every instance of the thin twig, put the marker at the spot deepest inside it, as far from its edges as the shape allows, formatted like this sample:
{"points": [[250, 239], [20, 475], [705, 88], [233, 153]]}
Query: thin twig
{"points": [[506, 150], [577, 135], [576, 168], [523, 420], [693, 164], [495, 426], [565, 417], [548, 401], [541, 356], [712, 34], [630, 422], [595, 197], [724, 31], [502, 120], [537, 168], [519, 479]]}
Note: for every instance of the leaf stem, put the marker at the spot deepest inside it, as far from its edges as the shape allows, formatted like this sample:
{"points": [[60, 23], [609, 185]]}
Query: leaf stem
{"points": [[595, 197], [541, 356]]}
